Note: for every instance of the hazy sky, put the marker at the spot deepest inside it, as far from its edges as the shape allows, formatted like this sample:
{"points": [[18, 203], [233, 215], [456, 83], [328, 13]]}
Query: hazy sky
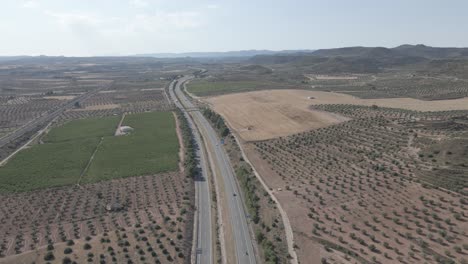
{"points": [[121, 27]]}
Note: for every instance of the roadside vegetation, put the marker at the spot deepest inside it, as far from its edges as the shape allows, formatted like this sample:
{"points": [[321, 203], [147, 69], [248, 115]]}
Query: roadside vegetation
{"points": [[190, 162], [263, 214], [217, 121]]}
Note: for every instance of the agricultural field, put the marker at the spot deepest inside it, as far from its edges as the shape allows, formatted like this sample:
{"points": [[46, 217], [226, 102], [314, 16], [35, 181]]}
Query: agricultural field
{"points": [[83, 128], [58, 206], [86, 151], [152, 148], [376, 188], [227, 78], [150, 221], [46, 165], [36, 87], [269, 114], [393, 85], [207, 88], [272, 113], [105, 215]]}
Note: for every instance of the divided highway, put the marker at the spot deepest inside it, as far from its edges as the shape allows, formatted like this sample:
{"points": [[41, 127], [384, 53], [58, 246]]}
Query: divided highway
{"points": [[204, 246], [238, 217]]}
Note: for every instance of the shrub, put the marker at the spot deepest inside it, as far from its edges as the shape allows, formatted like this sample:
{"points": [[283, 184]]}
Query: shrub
{"points": [[49, 256]]}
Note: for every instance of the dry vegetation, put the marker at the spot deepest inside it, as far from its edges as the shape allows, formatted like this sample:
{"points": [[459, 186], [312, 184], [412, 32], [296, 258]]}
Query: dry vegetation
{"points": [[367, 190], [269, 114]]}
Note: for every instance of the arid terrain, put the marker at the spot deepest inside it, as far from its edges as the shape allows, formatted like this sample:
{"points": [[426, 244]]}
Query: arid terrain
{"points": [[370, 164], [354, 155], [269, 114], [371, 187], [273, 113]]}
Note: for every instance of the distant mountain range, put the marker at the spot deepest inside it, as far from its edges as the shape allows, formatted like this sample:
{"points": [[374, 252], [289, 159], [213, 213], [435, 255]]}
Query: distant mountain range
{"points": [[402, 53], [403, 50], [226, 54], [372, 59]]}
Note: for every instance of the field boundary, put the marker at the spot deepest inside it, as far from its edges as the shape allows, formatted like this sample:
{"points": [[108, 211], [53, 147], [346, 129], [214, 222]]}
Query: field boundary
{"points": [[90, 160]]}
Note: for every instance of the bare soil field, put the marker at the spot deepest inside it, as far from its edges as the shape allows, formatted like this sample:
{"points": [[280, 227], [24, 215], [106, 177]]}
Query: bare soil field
{"points": [[272, 113], [269, 114]]}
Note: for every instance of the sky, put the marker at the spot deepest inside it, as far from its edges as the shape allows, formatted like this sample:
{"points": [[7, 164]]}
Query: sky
{"points": [[125, 27]]}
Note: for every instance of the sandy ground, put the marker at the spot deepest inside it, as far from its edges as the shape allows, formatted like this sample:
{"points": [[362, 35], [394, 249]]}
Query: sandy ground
{"points": [[60, 97], [97, 107], [270, 114]]}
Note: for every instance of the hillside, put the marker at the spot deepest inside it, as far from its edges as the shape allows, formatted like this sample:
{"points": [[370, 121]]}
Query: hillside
{"points": [[426, 59]]}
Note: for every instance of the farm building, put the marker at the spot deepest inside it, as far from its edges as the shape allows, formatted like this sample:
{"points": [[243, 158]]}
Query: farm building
{"points": [[123, 130]]}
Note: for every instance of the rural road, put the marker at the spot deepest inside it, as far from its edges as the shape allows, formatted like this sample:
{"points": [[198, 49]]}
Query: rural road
{"points": [[46, 118], [204, 246], [238, 216]]}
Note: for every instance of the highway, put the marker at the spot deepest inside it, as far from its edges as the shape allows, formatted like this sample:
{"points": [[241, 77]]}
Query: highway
{"points": [[45, 118], [203, 246], [237, 215]]}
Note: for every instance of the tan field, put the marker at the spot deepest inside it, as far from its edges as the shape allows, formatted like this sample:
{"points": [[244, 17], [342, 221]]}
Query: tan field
{"points": [[60, 97], [273, 113], [270, 114]]}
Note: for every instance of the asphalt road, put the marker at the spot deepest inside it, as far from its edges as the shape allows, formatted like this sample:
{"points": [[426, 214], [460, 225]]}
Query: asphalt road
{"points": [[238, 217], [45, 118], [204, 246]]}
